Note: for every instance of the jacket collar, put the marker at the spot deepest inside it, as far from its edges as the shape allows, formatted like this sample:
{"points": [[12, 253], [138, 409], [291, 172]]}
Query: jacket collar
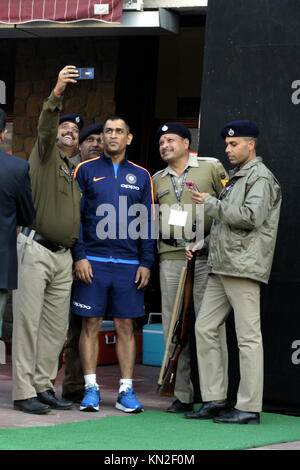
{"points": [[242, 171], [109, 160]]}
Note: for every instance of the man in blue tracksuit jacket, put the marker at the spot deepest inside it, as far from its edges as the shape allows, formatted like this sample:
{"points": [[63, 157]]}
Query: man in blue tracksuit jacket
{"points": [[113, 257]]}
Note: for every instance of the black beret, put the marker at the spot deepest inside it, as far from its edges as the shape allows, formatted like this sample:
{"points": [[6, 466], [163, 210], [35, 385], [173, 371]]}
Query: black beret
{"points": [[174, 128], [240, 129], [76, 118], [92, 129]]}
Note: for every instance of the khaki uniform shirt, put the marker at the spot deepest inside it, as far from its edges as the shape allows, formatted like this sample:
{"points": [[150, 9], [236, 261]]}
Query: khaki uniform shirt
{"points": [[56, 194], [209, 175]]}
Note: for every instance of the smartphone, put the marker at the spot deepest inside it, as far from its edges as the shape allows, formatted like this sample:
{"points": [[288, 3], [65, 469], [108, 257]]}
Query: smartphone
{"points": [[192, 185], [85, 73]]}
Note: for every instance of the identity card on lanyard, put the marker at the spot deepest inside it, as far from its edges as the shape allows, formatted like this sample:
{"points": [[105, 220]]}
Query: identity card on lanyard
{"points": [[178, 216]]}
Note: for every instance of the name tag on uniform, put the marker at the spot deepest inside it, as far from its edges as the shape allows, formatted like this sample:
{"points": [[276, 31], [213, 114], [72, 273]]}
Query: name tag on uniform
{"points": [[163, 194], [177, 217]]}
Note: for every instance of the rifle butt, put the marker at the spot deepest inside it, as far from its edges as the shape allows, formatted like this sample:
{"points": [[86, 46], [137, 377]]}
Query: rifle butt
{"points": [[166, 388]]}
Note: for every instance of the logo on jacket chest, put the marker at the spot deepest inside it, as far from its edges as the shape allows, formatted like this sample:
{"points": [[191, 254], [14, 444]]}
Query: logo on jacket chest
{"points": [[131, 180]]}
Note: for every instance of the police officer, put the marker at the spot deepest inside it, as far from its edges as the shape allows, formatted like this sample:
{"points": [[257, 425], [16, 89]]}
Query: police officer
{"points": [[41, 303], [90, 143], [241, 248], [173, 197]]}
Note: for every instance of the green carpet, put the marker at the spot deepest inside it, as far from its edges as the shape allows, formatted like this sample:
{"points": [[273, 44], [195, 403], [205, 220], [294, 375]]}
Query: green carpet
{"points": [[152, 430]]}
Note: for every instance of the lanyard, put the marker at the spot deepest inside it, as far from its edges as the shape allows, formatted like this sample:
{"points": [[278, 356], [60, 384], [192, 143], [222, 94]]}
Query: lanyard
{"points": [[226, 189], [178, 194]]}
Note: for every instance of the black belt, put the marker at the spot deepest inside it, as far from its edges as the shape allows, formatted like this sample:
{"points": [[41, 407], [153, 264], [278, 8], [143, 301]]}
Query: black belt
{"points": [[43, 241], [174, 241]]}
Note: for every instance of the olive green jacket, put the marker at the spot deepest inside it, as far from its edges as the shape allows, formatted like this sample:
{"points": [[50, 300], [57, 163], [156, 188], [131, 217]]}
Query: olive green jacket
{"points": [[209, 175], [243, 234], [56, 194]]}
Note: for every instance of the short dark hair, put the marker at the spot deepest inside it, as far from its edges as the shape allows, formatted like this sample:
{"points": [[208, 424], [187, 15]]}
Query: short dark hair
{"points": [[253, 138], [2, 120], [116, 118]]}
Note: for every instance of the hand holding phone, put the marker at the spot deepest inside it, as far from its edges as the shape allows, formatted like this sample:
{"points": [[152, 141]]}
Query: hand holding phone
{"points": [[191, 185], [85, 73]]}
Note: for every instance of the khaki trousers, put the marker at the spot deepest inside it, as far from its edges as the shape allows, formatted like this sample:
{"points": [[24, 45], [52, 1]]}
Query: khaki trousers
{"points": [[223, 294], [40, 314], [169, 279]]}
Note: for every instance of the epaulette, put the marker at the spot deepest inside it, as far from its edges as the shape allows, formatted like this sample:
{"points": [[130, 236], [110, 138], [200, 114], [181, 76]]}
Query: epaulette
{"points": [[218, 165], [210, 159], [157, 173]]}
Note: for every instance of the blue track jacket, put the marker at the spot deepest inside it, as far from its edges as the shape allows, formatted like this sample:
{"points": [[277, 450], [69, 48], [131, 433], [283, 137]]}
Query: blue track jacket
{"points": [[117, 212]]}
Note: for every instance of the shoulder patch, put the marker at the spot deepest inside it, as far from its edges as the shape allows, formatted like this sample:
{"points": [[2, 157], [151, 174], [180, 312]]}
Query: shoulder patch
{"points": [[209, 159]]}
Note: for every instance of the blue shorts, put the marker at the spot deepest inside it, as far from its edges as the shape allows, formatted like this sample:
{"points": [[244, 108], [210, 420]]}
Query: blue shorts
{"points": [[112, 291]]}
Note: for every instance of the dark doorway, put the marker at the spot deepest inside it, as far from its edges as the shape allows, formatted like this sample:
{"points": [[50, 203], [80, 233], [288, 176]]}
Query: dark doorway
{"points": [[135, 90]]}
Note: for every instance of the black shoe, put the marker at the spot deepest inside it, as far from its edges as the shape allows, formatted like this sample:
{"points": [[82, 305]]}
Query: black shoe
{"points": [[76, 396], [208, 410], [31, 405], [237, 417], [179, 407], [48, 397]]}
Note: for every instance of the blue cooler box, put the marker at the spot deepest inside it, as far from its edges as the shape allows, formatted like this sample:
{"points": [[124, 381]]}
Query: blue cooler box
{"points": [[153, 344]]}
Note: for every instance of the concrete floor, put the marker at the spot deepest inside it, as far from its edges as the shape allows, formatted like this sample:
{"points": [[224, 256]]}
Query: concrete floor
{"points": [[145, 382]]}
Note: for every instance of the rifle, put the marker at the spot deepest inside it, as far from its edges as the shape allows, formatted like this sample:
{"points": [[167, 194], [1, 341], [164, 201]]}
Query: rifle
{"points": [[178, 333]]}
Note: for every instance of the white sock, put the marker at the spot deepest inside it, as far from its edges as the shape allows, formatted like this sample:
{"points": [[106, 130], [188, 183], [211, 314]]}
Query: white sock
{"points": [[90, 379], [124, 384]]}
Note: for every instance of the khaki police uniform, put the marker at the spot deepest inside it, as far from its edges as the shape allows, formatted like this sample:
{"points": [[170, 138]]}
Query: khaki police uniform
{"points": [[42, 301], [209, 175]]}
